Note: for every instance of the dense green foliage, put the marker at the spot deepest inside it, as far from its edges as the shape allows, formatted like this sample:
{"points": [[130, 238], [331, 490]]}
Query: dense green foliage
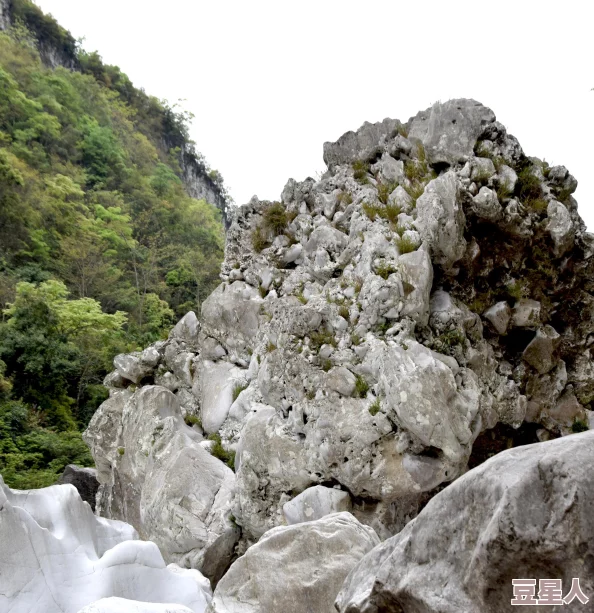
{"points": [[101, 249]]}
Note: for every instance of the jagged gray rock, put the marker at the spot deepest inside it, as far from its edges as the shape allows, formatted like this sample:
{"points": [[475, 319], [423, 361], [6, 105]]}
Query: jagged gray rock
{"points": [[155, 474], [369, 327], [295, 569], [84, 480], [526, 513]]}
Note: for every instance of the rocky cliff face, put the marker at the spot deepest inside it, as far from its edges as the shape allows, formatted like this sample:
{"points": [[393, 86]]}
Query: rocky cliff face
{"points": [[424, 305], [4, 15]]}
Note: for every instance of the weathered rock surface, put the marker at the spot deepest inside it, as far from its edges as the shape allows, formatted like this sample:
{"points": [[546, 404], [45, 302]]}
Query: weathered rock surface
{"points": [[526, 513], [295, 569], [156, 476], [57, 557], [369, 327], [315, 503], [122, 605], [84, 480]]}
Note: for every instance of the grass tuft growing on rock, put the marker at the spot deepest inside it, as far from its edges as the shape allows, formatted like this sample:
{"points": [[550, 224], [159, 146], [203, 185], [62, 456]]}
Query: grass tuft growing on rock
{"points": [[218, 451], [405, 244], [259, 240], [237, 389], [276, 218], [193, 420], [361, 386], [360, 172], [375, 407]]}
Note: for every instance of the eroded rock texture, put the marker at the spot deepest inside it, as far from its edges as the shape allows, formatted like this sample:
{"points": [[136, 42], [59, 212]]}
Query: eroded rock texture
{"points": [[57, 557], [526, 513], [295, 569], [423, 305]]}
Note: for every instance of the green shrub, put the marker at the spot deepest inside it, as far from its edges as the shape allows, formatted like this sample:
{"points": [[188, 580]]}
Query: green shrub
{"points": [[361, 170], [218, 451], [579, 426], [385, 269], [317, 338], [375, 407], [193, 420], [344, 312], [270, 347], [276, 218], [326, 365], [384, 190], [238, 388], [405, 244], [121, 451], [259, 240], [361, 386]]}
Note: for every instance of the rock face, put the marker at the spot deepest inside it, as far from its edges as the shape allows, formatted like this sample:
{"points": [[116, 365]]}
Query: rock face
{"points": [[57, 557], [295, 569], [428, 291], [156, 475], [84, 480], [526, 513]]}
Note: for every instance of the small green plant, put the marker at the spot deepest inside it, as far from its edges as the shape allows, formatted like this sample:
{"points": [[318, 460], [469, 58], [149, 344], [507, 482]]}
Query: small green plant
{"points": [[270, 347], [384, 190], [121, 450], [360, 173], [385, 269], [415, 190], [193, 420], [301, 298], [405, 244], [400, 230], [529, 189], [326, 365], [275, 218], [218, 451], [358, 284], [516, 290], [310, 394], [375, 407], [400, 129], [503, 191], [356, 339], [344, 198], [452, 338], [259, 240], [481, 150], [371, 210], [579, 426], [237, 389], [361, 386], [318, 338], [344, 312], [263, 291]]}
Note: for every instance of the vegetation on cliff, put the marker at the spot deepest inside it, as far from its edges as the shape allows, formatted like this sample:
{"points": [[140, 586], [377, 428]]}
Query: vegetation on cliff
{"points": [[101, 248]]}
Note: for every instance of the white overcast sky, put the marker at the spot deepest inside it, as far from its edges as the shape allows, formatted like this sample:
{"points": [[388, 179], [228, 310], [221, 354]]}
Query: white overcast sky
{"points": [[270, 81]]}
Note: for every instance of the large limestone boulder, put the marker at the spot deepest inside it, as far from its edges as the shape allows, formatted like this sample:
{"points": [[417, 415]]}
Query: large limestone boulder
{"points": [[57, 557], [526, 513], [369, 328], [295, 569], [155, 474], [449, 131], [440, 220]]}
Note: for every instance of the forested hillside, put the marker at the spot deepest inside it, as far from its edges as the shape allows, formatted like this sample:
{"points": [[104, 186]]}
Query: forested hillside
{"points": [[101, 248]]}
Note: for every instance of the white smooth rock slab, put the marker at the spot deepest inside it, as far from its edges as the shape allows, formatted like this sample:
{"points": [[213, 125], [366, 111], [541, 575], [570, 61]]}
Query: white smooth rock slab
{"points": [[57, 557]]}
